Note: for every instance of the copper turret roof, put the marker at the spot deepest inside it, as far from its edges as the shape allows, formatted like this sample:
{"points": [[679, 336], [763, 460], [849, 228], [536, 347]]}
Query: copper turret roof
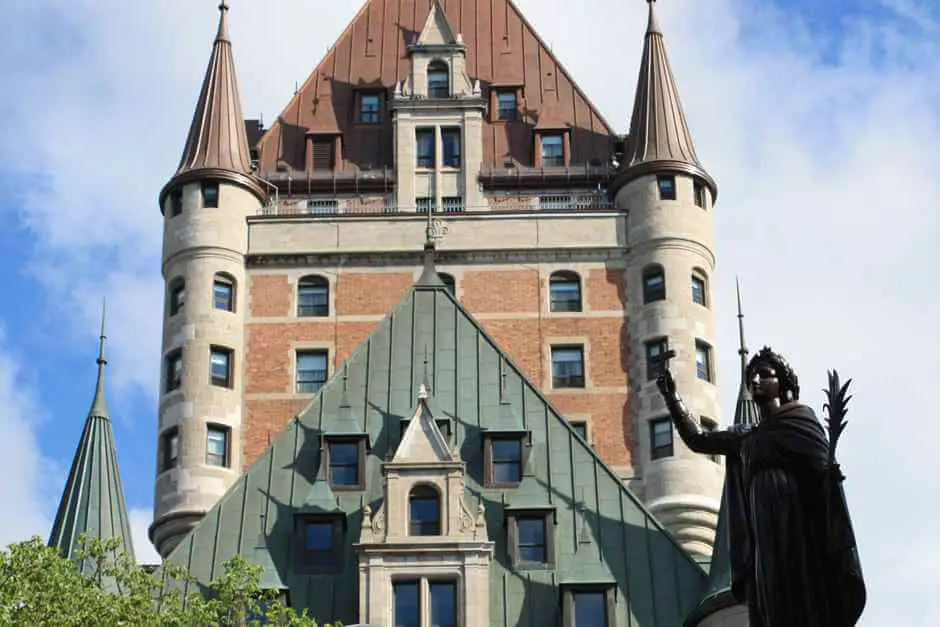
{"points": [[718, 592], [217, 146], [93, 500], [659, 139]]}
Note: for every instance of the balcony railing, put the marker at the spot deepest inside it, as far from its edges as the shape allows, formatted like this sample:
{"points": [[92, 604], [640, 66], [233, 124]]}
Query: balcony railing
{"points": [[545, 204]]}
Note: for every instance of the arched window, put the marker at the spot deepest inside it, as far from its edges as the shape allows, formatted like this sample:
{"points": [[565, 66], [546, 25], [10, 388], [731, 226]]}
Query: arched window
{"points": [[654, 283], [424, 506], [313, 297], [223, 292], [564, 288], [699, 287], [449, 282], [438, 80], [176, 296]]}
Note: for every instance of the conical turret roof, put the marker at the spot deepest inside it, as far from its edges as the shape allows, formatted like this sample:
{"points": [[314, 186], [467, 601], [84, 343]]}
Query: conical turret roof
{"points": [[718, 592], [217, 145], [93, 499], [659, 139]]}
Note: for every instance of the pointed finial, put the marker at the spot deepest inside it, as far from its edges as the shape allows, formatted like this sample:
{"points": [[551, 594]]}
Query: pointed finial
{"points": [[222, 35], [99, 407], [742, 348], [652, 25]]}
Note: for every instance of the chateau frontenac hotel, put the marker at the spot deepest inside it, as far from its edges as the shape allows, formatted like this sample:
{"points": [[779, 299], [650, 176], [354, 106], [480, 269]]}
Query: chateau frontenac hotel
{"points": [[411, 335]]}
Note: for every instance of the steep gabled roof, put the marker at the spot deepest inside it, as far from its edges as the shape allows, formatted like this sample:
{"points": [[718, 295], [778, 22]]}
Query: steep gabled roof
{"points": [[217, 145], [602, 532], [372, 54], [659, 139], [93, 499]]}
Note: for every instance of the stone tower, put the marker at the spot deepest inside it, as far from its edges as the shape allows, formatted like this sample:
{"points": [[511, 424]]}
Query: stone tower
{"points": [[205, 205], [670, 260]]}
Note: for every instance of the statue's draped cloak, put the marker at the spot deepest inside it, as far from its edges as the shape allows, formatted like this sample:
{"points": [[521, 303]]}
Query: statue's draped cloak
{"points": [[793, 554]]}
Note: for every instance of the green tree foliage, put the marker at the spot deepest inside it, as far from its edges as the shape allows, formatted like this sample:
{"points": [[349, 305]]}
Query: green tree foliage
{"points": [[38, 587]]}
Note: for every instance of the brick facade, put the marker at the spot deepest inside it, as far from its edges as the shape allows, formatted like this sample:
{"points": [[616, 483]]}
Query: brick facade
{"points": [[512, 304]]}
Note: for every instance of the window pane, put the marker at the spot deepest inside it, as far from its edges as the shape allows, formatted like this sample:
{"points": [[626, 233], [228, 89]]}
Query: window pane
{"points": [[369, 108], [406, 604], [552, 150], [216, 447], [450, 139], [590, 609], [667, 187], [424, 138], [222, 294], [506, 456], [313, 298], [565, 295], [507, 105], [210, 194], [311, 372], [531, 539], [438, 83], [318, 536], [581, 429], [654, 286], [424, 512], [698, 290], [344, 463], [567, 367], [443, 604], [219, 361], [702, 365]]}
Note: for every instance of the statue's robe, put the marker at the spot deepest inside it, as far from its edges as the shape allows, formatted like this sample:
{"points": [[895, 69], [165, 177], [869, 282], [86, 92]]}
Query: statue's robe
{"points": [[793, 554]]}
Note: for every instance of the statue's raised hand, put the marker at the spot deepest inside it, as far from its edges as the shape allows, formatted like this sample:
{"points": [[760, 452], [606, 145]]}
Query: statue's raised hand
{"points": [[666, 384]]}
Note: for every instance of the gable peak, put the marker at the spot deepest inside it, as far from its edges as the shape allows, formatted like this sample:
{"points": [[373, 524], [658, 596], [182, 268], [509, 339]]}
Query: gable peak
{"points": [[423, 441], [437, 30]]}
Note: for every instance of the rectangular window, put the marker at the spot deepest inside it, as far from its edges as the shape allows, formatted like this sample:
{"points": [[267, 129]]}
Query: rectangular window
{"points": [[223, 294], [369, 109], [217, 446], [654, 285], [169, 449], [655, 350], [699, 190], [505, 460], [567, 367], [698, 290], [438, 81], [667, 186], [507, 107], [530, 539], [210, 195], [311, 371], [450, 140], [319, 539], [176, 202], [554, 202], [313, 297], [424, 205], [323, 207], [177, 297], [564, 293], [405, 598], [174, 370], [553, 150], [345, 463], [580, 427], [220, 367], [424, 139], [660, 438], [443, 597], [703, 361], [323, 153], [452, 204], [589, 608]]}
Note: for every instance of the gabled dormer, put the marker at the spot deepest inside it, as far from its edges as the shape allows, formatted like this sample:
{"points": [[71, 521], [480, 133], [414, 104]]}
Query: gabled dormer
{"points": [[423, 526], [439, 61]]}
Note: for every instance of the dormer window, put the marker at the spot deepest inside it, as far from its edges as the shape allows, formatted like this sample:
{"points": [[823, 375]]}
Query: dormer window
{"points": [[438, 80], [323, 152], [346, 462], [424, 509], [507, 106], [503, 460], [369, 109], [553, 150]]}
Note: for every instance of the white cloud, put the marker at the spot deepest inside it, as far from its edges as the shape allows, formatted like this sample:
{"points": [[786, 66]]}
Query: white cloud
{"points": [[140, 520], [24, 487], [823, 145]]}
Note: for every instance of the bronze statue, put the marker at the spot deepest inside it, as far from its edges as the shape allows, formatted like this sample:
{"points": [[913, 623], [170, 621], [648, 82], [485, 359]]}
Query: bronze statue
{"points": [[793, 554]]}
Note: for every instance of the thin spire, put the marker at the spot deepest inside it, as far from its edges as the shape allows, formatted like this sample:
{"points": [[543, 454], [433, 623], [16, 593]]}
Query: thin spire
{"points": [[659, 139], [99, 406], [93, 498], [217, 145], [746, 411], [742, 347]]}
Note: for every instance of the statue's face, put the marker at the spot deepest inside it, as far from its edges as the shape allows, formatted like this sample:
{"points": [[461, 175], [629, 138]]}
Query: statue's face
{"points": [[764, 383]]}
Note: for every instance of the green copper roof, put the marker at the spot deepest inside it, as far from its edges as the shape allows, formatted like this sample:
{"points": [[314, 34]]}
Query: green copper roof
{"points": [[602, 534], [93, 499], [718, 592]]}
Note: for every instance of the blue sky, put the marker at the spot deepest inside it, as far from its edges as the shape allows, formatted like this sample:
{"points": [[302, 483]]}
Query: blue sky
{"points": [[819, 120]]}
